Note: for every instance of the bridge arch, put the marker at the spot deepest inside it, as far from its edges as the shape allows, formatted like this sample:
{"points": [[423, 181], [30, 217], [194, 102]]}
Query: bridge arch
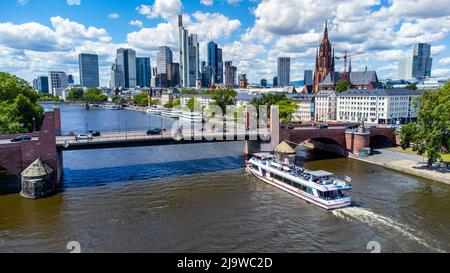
{"points": [[381, 141]]}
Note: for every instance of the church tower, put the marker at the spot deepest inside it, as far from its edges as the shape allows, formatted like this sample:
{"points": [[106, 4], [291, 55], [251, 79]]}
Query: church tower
{"points": [[324, 60]]}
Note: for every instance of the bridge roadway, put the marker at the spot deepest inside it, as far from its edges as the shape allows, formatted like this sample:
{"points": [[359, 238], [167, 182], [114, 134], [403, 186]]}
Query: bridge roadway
{"points": [[140, 138]]}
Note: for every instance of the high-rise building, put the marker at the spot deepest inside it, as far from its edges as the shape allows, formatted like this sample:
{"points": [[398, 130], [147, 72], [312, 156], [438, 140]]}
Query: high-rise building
{"points": [[243, 83], [308, 78], [35, 84], [230, 74], [70, 79], [215, 62], [284, 71], [324, 60], [417, 64], [126, 63], [143, 72], [42, 84], [189, 56], [263, 83], [117, 78], [89, 72], [164, 59], [173, 74], [57, 81], [275, 81]]}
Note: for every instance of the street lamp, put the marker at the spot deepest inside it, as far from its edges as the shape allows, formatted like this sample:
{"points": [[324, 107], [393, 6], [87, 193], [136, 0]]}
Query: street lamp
{"points": [[34, 124]]}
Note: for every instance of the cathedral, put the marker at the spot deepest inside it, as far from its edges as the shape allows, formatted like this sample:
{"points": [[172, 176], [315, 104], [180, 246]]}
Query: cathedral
{"points": [[324, 60]]}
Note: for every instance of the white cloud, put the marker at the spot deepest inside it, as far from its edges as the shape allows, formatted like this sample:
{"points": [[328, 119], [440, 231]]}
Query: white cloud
{"points": [[165, 9], [22, 2], [444, 61], [73, 2], [113, 15], [136, 23], [207, 2]]}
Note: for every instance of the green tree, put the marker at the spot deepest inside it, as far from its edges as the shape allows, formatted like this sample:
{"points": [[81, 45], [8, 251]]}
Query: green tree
{"points": [[224, 97], [342, 86], [430, 133], [412, 86], [11, 86], [407, 134], [23, 111], [18, 105], [141, 99], [42, 97], [192, 103], [95, 95], [287, 107], [75, 94]]}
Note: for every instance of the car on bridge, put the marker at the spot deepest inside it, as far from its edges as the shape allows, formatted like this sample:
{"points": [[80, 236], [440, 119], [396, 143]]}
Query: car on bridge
{"points": [[83, 137], [154, 131], [95, 133], [21, 138], [322, 126]]}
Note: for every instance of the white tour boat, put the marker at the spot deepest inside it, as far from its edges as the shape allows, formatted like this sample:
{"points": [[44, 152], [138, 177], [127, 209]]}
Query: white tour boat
{"points": [[192, 117], [318, 187], [171, 113], [154, 111]]}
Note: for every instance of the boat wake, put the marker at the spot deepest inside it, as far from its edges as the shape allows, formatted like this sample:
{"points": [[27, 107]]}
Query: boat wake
{"points": [[381, 222]]}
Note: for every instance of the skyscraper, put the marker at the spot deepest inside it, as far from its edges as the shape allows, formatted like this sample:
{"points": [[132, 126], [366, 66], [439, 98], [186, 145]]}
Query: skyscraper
{"points": [[164, 59], [70, 79], [215, 62], [308, 78], [275, 81], [189, 56], [117, 78], [126, 63], [89, 73], [230, 74], [417, 64], [263, 83], [143, 72], [284, 71], [173, 74], [42, 84]]}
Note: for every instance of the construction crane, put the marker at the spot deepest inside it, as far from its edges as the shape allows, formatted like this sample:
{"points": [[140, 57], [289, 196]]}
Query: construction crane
{"points": [[347, 56]]}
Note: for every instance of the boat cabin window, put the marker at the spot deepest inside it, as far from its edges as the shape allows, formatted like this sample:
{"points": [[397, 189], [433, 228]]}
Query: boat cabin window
{"points": [[280, 178], [331, 195]]}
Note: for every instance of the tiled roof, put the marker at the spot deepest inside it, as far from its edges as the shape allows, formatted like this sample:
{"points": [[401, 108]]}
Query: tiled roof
{"points": [[379, 92]]}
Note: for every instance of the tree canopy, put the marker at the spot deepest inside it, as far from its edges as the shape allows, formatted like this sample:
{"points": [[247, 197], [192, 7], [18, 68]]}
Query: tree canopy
{"points": [[430, 135], [18, 106], [287, 107], [342, 86]]}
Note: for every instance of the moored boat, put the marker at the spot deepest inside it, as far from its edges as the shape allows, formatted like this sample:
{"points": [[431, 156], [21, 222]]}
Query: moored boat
{"points": [[318, 187]]}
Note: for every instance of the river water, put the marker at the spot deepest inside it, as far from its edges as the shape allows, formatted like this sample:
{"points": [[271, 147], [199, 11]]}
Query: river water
{"points": [[198, 198]]}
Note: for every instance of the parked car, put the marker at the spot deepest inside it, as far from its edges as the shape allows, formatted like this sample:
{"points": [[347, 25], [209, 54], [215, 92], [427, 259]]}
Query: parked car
{"points": [[95, 133], [154, 131], [21, 138], [322, 126], [83, 137], [290, 127]]}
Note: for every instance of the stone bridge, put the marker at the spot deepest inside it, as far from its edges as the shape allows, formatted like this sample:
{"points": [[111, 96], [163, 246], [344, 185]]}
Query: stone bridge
{"points": [[16, 157]]}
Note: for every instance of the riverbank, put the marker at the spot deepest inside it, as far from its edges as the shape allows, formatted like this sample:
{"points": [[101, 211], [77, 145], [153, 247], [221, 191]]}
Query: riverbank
{"points": [[405, 163]]}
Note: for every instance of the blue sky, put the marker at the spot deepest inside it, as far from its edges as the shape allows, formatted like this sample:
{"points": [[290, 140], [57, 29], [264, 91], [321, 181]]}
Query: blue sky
{"points": [[41, 35]]}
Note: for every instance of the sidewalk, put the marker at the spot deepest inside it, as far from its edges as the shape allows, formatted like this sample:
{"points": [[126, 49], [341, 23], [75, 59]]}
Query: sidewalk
{"points": [[406, 163]]}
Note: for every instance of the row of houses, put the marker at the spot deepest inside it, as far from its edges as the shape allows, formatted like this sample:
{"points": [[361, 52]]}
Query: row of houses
{"points": [[377, 106]]}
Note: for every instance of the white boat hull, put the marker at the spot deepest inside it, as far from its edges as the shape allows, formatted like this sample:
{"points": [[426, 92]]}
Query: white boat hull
{"points": [[329, 205]]}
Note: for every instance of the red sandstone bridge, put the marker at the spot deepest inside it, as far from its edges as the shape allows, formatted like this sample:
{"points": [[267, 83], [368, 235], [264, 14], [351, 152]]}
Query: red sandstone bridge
{"points": [[49, 146]]}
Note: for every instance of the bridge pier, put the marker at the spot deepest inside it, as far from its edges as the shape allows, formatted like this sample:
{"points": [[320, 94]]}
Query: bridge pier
{"points": [[257, 146]]}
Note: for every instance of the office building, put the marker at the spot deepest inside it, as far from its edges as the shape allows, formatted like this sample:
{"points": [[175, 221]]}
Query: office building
{"points": [[70, 79], [243, 83], [379, 106], [173, 74], [89, 72], [305, 108], [164, 59], [189, 56], [308, 78], [41, 84], [417, 64], [263, 83], [117, 78], [126, 64], [284, 71], [275, 81], [230, 74], [143, 72], [325, 105], [57, 82]]}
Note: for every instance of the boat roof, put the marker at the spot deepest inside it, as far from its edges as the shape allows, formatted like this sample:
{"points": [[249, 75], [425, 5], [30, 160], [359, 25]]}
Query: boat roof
{"points": [[321, 173], [263, 155]]}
